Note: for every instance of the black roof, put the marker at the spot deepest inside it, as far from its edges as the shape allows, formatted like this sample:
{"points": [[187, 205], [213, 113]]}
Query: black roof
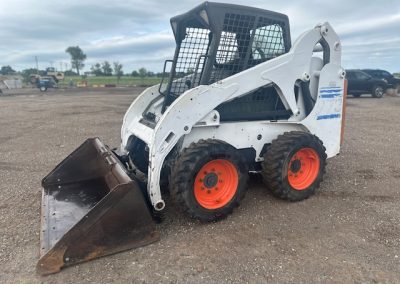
{"points": [[370, 69], [211, 15], [354, 70]]}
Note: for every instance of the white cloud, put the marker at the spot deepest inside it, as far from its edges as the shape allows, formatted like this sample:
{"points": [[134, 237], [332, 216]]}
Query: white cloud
{"points": [[137, 32]]}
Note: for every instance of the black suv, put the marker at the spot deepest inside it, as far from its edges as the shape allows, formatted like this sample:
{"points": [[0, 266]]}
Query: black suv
{"points": [[361, 83], [391, 81]]}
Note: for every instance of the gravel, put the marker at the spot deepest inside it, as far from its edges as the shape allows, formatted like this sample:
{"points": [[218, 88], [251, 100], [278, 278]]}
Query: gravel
{"points": [[348, 232]]}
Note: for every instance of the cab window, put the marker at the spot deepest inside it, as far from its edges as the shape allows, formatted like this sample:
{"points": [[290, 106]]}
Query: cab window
{"points": [[385, 74], [361, 76], [268, 42], [228, 48]]}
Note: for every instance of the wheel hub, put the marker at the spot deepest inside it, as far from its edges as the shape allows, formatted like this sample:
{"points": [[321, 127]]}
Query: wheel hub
{"points": [[210, 180], [303, 168], [216, 184], [295, 166]]}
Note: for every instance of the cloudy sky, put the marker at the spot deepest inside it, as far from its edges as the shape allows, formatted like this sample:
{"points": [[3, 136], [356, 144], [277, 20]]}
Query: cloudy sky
{"points": [[137, 32]]}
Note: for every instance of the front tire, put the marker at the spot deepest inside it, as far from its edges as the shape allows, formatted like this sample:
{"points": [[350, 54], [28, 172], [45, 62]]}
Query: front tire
{"points": [[208, 180], [294, 165], [378, 91]]}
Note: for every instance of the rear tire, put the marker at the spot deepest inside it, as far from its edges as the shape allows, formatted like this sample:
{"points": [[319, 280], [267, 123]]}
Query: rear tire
{"points": [[378, 91], [294, 165], [208, 180]]}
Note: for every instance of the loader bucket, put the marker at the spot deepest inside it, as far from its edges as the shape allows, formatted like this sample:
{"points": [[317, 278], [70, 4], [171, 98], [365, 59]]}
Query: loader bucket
{"points": [[91, 208]]}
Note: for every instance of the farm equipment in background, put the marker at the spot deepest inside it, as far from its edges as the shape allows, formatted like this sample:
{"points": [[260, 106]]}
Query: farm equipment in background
{"points": [[57, 75], [50, 72], [239, 98], [46, 82]]}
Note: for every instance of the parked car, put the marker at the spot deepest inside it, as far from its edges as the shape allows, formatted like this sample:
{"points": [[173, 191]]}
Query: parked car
{"points": [[391, 81], [360, 83]]}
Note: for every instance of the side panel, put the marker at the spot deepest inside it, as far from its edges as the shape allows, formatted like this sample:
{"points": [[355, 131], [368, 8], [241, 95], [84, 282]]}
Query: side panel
{"points": [[241, 135], [325, 120]]}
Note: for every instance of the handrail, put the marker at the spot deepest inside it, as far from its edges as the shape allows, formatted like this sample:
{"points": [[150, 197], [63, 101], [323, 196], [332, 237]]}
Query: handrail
{"points": [[163, 76], [197, 67]]}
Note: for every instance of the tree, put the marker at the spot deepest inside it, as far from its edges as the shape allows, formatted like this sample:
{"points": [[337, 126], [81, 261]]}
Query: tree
{"points": [[190, 71], [118, 70], [7, 70], [70, 73], [107, 70], [26, 73], [135, 73], [77, 57], [142, 72], [96, 69]]}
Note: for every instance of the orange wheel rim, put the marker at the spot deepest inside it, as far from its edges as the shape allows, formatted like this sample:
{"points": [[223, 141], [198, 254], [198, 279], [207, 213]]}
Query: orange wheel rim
{"points": [[216, 184], [303, 168]]}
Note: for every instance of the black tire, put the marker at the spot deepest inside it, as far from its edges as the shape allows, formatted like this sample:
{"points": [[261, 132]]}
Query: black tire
{"points": [[139, 157], [356, 95], [378, 91], [185, 172], [139, 154], [43, 89], [278, 161]]}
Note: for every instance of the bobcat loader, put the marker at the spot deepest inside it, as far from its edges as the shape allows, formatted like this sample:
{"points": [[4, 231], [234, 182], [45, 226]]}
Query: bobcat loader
{"points": [[238, 97]]}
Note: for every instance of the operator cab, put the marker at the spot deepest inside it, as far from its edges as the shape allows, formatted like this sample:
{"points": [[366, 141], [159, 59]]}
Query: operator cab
{"points": [[215, 41]]}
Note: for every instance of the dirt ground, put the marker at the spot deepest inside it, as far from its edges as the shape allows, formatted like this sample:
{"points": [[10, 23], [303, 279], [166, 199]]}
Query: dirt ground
{"points": [[349, 232]]}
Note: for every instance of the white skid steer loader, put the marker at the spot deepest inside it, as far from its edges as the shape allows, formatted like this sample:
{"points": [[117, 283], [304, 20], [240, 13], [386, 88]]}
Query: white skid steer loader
{"points": [[238, 98]]}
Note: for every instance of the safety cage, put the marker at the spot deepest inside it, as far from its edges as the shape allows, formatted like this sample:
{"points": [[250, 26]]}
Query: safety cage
{"points": [[215, 41]]}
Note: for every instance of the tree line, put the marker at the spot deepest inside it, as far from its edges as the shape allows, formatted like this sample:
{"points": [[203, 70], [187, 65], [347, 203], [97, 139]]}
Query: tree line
{"points": [[104, 68], [78, 58]]}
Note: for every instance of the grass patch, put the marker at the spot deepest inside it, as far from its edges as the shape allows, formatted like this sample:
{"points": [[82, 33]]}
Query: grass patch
{"points": [[103, 80]]}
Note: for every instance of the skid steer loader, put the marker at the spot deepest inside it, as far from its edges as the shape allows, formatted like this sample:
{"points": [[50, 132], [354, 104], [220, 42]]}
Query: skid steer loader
{"points": [[237, 97]]}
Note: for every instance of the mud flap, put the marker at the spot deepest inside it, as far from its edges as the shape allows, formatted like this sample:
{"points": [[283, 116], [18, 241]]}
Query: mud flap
{"points": [[91, 208]]}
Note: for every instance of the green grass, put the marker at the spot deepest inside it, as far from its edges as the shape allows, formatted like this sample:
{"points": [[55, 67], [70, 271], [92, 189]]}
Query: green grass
{"points": [[102, 80]]}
